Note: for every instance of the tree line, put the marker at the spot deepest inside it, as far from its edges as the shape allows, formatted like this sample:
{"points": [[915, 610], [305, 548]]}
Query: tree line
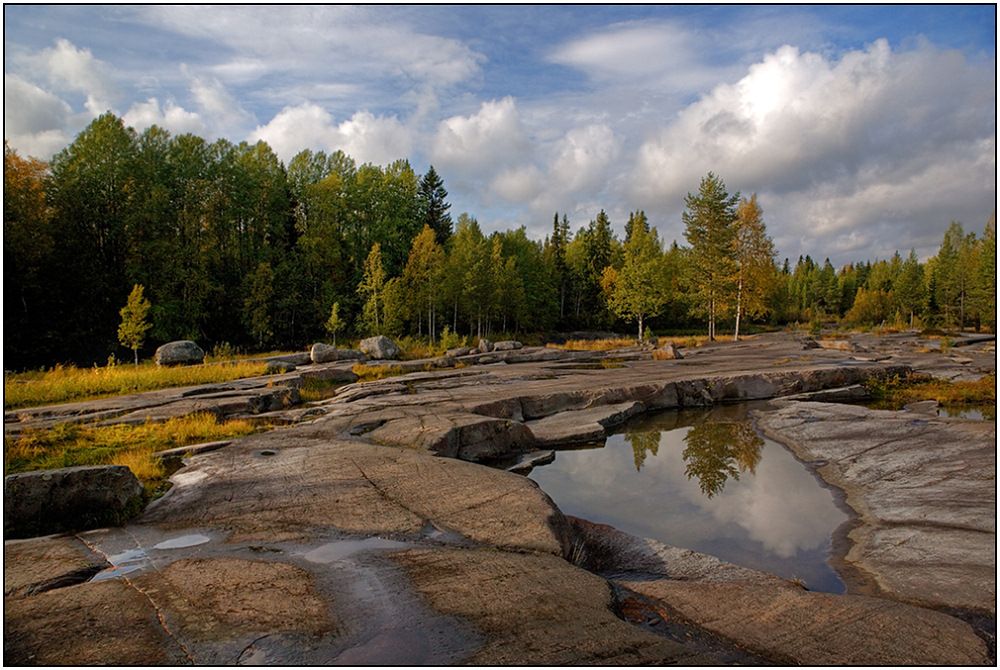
{"points": [[230, 245]]}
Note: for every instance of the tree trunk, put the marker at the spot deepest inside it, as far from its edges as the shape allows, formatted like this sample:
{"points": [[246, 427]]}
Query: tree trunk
{"points": [[739, 305]]}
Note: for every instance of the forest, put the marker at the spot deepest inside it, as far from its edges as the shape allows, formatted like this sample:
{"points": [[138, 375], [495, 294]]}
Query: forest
{"points": [[232, 247]]}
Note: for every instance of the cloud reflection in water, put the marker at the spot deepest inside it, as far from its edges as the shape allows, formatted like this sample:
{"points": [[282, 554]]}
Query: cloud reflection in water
{"points": [[708, 482]]}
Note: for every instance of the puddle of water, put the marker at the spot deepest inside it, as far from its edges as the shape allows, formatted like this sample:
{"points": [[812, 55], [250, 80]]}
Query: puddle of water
{"points": [[341, 549], [707, 481], [978, 413], [182, 542]]}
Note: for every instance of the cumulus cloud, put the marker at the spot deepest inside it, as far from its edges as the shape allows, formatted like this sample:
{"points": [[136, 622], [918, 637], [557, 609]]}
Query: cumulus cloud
{"points": [[34, 120], [491, 140], [853, 141], [171, 117], [365, 137], [77, 70]]}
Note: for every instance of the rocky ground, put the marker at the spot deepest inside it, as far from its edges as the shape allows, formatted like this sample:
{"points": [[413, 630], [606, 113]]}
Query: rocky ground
{"points": [[370, 532]]}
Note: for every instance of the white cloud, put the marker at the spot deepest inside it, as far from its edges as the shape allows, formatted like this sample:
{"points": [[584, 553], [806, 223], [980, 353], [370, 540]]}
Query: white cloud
{"points": [[34, 120], [844, 145], [171, 117], [77, 70], [489, 141], [365, 137]]}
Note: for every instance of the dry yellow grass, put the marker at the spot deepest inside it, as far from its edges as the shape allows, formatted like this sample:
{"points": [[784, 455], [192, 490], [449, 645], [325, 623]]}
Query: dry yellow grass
{"points": [[71, 384], [67, 445]]}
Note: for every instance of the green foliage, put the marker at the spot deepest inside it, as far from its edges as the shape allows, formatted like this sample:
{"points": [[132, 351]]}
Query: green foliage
{"points": [[234, 247], [133, 328], [372, 291], [334, 322], [709, 222]]}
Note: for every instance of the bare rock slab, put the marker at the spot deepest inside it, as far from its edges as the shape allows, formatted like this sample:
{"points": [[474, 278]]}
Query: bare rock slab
{"points": [[924, 490], [577, 426], [797, 627], [535, 610]]}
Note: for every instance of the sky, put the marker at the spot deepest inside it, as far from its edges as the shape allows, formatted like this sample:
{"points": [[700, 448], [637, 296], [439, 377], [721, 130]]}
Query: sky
{"points": [[862, 129]]}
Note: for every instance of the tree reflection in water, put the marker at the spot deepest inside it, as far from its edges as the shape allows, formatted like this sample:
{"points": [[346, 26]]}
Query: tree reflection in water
{"points": [[715, 452], [642, 443]]}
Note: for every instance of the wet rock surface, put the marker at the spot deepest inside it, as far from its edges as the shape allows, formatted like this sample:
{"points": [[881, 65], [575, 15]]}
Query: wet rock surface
{"points": [[360, 536], [923, 489]]}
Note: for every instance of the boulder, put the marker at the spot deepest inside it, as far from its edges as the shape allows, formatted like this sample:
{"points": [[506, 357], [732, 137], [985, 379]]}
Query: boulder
{"points": [[669, 351], [460, 351], [324, 353], [485, 346], [507, 345], [445, 362], [181, 352], [77, 498], [380, 347]]}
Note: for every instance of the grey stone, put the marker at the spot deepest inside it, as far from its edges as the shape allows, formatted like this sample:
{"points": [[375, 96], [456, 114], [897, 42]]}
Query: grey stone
{"points": [[445, 362], [485, 346], [181, 352], [460, 351], [324, 353], [507, 345], [924, 407], [380, 347], [669, 351], [530, 461], [77, 498]]}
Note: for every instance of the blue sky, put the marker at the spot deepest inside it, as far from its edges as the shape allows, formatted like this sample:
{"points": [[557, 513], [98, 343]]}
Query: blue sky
{"points": [[862, 129]]}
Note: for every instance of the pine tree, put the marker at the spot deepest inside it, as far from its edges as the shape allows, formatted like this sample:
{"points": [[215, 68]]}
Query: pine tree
{"points": [[431, 195], [709, 229], [133, 328]]}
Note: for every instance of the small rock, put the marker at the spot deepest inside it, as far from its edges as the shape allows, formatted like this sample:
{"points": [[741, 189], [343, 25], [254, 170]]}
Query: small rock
{"points": [[485, 346], [380, 347], [507, 345], [445, 362], [181, 352], [669, 351], [923, 407]]}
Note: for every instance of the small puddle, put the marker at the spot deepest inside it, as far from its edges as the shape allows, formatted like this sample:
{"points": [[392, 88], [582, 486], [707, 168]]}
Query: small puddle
{"points": [[705, 480], [341, 549], [182, 542], [132, 560], [976, 413]]}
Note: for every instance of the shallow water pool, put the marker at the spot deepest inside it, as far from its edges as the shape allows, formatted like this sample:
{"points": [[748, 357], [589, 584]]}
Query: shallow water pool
{"points": [[705, 480]]}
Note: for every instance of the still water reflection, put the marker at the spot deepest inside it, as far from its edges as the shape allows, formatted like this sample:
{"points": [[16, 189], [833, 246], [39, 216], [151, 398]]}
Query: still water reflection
{"points": [[707, 481]]}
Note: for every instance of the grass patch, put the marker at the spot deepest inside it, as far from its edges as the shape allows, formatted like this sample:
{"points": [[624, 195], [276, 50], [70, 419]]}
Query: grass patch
{"points": [[895, 392], [71, 384], [318, 389], [370, 373], [68, 445]]}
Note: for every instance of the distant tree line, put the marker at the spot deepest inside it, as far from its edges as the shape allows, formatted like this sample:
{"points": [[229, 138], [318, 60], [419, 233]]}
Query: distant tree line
{"points": [[232, 246]]}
